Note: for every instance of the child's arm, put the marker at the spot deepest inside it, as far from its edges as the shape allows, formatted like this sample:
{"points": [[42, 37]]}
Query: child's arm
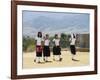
{"points": [[70, 39], [53, 41]]}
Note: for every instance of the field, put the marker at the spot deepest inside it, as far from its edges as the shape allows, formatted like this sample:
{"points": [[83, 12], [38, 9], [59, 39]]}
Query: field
{"points": [[83, 57]]}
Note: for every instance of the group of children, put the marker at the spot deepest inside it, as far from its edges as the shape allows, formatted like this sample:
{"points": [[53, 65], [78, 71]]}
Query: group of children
{"points": [[43, 48]]}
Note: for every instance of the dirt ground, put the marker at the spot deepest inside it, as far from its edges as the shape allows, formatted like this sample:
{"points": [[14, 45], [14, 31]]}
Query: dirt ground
{"points": [[83, 57]]}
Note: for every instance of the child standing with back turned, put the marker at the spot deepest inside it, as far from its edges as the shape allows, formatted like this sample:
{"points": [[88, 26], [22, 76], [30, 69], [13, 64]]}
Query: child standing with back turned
{"points": [[46, 48], [56, 48]]}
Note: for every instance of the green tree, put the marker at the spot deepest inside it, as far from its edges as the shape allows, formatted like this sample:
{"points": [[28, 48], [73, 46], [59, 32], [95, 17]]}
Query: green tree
{"points": [[64, 40], [28, 44]]}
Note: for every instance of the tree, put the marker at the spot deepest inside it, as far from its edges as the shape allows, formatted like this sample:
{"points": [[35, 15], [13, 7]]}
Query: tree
{"points": [[28, 44], [64, 40]]}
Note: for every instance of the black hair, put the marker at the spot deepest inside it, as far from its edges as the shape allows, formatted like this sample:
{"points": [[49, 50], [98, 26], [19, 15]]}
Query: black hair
{"points": [[56, 35], [39, 34], [47, 35], [73, 36]]}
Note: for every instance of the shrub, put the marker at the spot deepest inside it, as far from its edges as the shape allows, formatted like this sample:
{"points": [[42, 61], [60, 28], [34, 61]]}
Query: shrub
{"points": [[30, 48]]}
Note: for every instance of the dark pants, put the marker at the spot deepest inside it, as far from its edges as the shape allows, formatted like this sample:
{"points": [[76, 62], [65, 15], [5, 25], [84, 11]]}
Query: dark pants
{"points": [[46, 51], [73, 49], [56, 50]]}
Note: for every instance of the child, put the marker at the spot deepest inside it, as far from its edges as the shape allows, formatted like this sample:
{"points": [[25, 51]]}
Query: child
{"points": [[46, 49], [38, 47], [72, 46], [56, 48]]}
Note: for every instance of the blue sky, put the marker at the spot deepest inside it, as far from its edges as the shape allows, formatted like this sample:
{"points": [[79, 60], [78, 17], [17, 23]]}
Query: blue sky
{"points": [[52, 22]]}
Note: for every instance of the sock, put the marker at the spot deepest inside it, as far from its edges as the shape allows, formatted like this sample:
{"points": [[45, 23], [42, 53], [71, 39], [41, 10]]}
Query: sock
{"points": [[38, 59], [73, 56]]}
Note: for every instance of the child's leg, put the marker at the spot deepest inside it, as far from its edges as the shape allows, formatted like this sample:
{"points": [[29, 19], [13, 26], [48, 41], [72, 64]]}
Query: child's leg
{"points": [[54, 57], [73, 56], [73, 52], [59, 51], [46, 59], [60, 58], [35, 60], [39, 59]]}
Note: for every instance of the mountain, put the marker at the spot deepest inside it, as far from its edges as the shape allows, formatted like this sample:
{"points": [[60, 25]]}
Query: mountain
{"points": [[52, 25]]}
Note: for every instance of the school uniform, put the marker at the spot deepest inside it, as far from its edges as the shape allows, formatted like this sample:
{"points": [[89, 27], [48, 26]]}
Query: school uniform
{"points": [[46, 49], [38, 47], [56, 48], [72, 46]]}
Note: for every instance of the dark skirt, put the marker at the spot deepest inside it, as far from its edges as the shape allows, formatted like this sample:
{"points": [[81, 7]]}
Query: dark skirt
{"points": [[39, 51], [56, 50], [73, 49], [46, 51]]}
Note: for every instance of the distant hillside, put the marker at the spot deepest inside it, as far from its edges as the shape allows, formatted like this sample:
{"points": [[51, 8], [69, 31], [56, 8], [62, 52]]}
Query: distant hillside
{"points": [[53, 23]]}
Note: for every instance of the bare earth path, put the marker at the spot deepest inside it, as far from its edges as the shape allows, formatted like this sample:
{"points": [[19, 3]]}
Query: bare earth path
{"points": [[83, 57]]}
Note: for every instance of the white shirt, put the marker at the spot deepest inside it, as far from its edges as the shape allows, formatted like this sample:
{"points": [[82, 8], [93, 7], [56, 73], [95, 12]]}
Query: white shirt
{"points": [[38, 41], [46, 42], [56, 41], [73, 40]]}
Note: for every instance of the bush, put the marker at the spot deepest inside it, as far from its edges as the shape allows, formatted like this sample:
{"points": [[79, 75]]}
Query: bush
{"points": [[28, 44], [30, 48]]}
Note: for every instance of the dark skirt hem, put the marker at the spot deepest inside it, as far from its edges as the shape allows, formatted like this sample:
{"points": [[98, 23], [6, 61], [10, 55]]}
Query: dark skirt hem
{"points": [[56, 50], [46, 51], [73, 49], [39, 51]]}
